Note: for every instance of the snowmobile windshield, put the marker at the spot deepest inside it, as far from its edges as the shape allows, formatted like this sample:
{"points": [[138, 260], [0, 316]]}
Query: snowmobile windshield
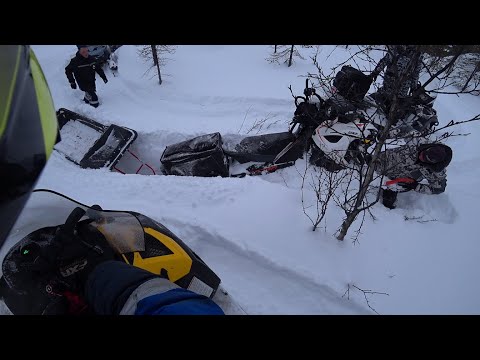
{"points": [[46, 208]]}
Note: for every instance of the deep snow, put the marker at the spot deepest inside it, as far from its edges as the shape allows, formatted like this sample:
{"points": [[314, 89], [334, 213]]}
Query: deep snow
{"points": [[252, 231]]}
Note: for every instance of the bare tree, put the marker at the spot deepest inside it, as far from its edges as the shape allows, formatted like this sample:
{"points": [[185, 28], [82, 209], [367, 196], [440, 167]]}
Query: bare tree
{"points": [[284, 54], [360, 204], [155, 55], [365, 293], [156, 62], [263, 124], [324, 184]]}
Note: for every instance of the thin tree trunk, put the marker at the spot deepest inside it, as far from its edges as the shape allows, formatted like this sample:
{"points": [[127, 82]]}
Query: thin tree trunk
{"points": [[446, 67], [156, 62], [357, 209], [475, 70], [275, 51], [291, 56]]}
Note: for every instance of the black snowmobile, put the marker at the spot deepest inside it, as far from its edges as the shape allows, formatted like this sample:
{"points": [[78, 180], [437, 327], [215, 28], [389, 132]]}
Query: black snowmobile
{"points": [[208, 155], [51, 219]]}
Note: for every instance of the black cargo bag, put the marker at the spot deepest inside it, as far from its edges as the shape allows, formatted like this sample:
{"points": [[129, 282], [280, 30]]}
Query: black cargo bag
{"points": [[351, 83], [200, 156]]}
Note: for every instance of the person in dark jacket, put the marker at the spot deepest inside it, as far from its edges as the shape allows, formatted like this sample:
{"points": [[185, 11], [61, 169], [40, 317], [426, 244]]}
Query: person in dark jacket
{"points": [[110, 286], [82, 68], [425, 162]]}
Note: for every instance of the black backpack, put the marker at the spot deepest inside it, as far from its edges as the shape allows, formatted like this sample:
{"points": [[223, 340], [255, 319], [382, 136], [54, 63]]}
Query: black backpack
{"points": [[351, 83]]}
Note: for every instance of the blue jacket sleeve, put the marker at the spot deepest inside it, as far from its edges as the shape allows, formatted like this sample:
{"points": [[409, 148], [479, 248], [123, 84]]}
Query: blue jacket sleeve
{"points": [[177, 302], [115, 288]]}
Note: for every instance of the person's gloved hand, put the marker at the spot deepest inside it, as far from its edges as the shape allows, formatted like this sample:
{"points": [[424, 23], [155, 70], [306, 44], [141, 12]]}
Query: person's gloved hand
{"points": [[408, 185], [73, 85], [78, 252], [105, 80], [76, 249]]}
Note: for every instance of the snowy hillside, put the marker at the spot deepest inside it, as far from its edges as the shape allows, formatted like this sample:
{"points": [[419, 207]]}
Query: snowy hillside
{"points": [[252, 231]]}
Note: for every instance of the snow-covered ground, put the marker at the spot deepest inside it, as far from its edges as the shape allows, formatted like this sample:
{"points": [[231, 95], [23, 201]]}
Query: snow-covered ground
{"points": [[252, 231]]}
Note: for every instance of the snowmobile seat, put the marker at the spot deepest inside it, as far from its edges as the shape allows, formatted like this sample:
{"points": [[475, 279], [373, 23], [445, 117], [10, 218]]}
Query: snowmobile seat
{"points": [[264, 148]]}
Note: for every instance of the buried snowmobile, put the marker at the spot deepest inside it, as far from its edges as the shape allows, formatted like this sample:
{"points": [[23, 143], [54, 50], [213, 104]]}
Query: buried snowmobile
{"points": [[50, 219], [348, 120]]}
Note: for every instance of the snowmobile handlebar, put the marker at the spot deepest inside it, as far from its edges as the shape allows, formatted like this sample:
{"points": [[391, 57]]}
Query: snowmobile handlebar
{"points": [[310, 91], [299, 98], [70, 224]]}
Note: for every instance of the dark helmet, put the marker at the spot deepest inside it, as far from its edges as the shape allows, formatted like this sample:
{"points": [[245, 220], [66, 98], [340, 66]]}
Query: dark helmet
{"points": [[436, 156], [28, 130]]}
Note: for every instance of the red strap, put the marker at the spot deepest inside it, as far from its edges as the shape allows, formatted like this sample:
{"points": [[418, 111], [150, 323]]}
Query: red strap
{"points": [[399, 180], [76, 305]]}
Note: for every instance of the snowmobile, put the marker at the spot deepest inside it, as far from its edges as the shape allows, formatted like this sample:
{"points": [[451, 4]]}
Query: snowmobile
{"points": [[336, 132], [208, 155], [50, 219], [351, 120], [105, 54], [336, 145]]}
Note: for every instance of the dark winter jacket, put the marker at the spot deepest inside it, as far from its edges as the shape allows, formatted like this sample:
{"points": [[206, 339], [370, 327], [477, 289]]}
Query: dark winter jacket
{"points": [[116, 288], [83, 71], [403, 162], [402, 62]]}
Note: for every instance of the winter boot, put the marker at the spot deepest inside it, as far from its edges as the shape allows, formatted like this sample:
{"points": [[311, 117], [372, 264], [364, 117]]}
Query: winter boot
{"points": [[389, 198]]}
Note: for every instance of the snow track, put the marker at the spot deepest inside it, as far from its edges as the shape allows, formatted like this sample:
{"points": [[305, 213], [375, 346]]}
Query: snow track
{"points": [[276, 289]]}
